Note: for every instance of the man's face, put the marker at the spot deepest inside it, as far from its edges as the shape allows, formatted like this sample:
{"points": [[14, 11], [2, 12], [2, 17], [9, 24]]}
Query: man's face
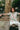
{"points": [[13, 25]]}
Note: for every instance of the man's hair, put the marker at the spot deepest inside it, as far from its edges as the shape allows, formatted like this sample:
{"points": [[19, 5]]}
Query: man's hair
{"points": [[15, 25]]}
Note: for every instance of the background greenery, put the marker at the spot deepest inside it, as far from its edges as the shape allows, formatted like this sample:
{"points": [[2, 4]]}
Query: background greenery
{"points": [[3, 7]]}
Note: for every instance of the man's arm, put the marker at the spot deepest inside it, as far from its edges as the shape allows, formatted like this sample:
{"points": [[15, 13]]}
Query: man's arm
{"points": [[10, 28]]}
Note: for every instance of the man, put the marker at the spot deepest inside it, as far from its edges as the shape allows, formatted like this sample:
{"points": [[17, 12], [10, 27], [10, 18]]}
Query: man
{"points": [[13, 27]]}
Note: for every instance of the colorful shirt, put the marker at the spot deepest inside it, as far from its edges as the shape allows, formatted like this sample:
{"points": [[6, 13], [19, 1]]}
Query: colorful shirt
{"points": [[13, 16]]}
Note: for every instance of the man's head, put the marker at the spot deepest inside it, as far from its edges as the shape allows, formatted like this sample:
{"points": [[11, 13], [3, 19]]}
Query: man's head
{"points": [[13, 25]]}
